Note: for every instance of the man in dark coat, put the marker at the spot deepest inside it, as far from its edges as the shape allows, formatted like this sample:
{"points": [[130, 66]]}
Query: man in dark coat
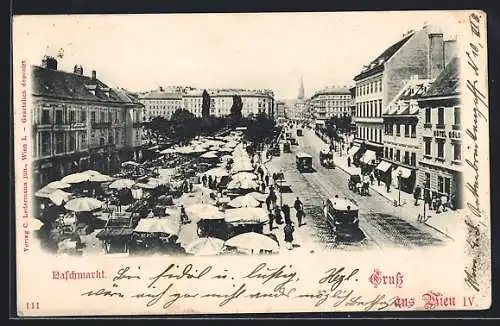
{"points": [[266, 179], [299, 207], [416, 194], [286, 211]]}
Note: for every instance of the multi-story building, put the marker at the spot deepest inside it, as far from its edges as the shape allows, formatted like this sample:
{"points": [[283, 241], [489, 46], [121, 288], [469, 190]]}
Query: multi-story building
{"points": [[331, 102], [79, 123], [221, 101], [440, 165], [280, 109], [399, 163], [419, 53], [160, 103]]}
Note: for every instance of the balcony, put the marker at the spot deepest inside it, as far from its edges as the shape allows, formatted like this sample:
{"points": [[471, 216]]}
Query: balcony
{"points": [[427, 125], [456, 127], [440, 126], [101, 125]]}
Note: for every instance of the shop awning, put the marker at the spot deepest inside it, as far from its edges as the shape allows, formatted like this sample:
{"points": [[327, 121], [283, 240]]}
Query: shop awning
{"points": [[405, 173], [353, 150], [383, 166], [368, 157]]}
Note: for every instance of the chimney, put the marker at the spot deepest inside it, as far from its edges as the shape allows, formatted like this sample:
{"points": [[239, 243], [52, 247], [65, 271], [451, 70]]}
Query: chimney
{"points": [[450, 50], [49, 62], [436, 54], [94, 75]]}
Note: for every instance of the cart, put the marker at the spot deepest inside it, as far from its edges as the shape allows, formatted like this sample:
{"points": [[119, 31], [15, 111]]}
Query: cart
{"points": [[117, 234]]}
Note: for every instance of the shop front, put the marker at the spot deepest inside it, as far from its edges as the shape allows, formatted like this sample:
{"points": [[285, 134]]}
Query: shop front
{"points": [[404, 178], [384, 172]]}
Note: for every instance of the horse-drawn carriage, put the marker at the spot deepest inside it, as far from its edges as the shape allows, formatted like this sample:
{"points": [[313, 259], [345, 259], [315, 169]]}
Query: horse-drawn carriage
{"points": [[359, 185], [326, 158]]}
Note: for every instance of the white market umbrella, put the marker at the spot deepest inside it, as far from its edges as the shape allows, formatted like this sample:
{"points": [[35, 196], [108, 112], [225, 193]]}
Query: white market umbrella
{"points": [[146, 185], [209, 155], [59, 196], [122, 183], [58, 185], [227, 157], [100, 178], [252, 241], [205, 247], [225, 150], [246, 215], [257, 196], [91, 172], [242, 184], [167, 151], [35, 224], [217, 172], [130, 163], [243, 175], [214, 148], [204, 211], [83, 204], [157, 225], [44, 192], [76, 178], [243, 201]]}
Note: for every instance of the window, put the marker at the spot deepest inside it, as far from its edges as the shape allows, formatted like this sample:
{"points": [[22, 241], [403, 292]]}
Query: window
{"points": [[110, 138], [457, 152], [440, 184], [45, 116], [413, 131], [406, 159], [379, 108], [440, 117], [110, 117], [440, 149], [427, 180], [386, 152], [46, 150], [398, 130], [83, 139], [59, 116], [447, 185], [456, 116], [407, 130], [413, 159], [59, 142], [83, 116], [398, 155], [72, 142], [371, 134], [380, 136], [371, 88], [427, 115], [103, 117], [102, 141], [391, 153], [72, 116]]}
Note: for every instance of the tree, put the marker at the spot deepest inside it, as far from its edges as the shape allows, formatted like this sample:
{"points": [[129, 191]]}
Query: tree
{"points": [[260, 129], [237, 107], [205, 106]]}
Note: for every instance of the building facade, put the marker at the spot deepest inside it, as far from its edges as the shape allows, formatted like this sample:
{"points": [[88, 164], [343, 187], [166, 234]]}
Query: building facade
{"points": [[399, 164], [80, 123], [440, 164], [221, 101], [160, 103], [331, 102], [419, 54], [280, 109]]}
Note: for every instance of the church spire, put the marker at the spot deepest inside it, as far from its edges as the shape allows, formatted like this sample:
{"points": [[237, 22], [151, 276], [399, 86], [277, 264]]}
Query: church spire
{"points": [[301, 89]]}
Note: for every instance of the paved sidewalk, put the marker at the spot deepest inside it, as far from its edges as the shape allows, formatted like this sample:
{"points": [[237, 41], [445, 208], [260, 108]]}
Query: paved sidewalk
{"points": [[444, 222]]}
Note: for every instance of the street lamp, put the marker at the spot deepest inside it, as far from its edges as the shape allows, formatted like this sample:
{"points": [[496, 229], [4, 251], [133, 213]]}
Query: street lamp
{"points": [[399, 187]]}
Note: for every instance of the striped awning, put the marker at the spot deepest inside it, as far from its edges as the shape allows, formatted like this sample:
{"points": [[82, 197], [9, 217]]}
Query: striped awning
{"points": [[384, 166]]}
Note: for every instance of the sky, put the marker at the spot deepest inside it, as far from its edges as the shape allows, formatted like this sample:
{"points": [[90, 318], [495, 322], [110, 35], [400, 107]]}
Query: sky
{"points": [[253, 51]]}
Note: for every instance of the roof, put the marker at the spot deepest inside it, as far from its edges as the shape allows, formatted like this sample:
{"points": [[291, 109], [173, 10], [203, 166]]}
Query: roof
{"points": [[341, 204], [128, 97], [377, 64], [412, 90], [161, 95], [333, 90], [302, 154], [447, 83], [65, 85]]}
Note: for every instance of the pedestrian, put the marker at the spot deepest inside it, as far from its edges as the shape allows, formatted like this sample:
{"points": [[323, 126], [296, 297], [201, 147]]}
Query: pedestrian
{"points": [[278, 215], [268, 203], [299, 207], [184, 218], [427, 199], [191, 187], [288, 230], [263, 186], [377, 175], [204, 180], [210, 180], [271, 220], [266, 179], [372, 178], [286, 212], [349, 161], [387, 186], [416, 194]]}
